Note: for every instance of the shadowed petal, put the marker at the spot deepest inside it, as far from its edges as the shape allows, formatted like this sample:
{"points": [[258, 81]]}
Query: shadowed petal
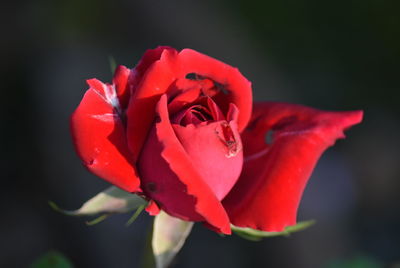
{"points": [[170, 178]]}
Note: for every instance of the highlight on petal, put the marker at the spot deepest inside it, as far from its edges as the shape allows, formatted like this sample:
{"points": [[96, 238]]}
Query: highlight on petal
{"points": [[99, 137], [267, 195], [169, 177], [120, 82]]}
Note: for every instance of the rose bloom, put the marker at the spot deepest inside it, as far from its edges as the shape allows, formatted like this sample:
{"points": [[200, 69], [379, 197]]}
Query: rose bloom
{"points": [[181, 130]]}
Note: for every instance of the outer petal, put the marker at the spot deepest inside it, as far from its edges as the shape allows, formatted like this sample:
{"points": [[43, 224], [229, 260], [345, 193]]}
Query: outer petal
{"points": [[274, 175], [156, 73], [149, 57], [120, 81], [237, 86], [99, 137], [172, 180]]}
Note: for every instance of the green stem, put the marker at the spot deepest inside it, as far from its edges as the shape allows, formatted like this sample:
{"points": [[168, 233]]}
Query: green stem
{"points": [[148, 256]]}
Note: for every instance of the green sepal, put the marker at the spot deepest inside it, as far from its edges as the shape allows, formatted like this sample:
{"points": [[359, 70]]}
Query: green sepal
{"points": [[112, 200], [135, 215], [97, 220], [256, 235], [169, 235]]}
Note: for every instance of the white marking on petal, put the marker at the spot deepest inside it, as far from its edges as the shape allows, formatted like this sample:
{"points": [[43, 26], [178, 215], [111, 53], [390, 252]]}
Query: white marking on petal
{"points": [[111, 96], [256, 155], [99, 94], [108, 118]]}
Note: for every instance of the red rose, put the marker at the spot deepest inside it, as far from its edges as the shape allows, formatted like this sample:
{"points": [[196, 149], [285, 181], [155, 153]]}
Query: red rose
{"points": [[180, 130]]}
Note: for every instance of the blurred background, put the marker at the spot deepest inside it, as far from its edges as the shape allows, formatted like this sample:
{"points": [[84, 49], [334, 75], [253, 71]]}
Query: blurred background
{"points": [[340, 55]]}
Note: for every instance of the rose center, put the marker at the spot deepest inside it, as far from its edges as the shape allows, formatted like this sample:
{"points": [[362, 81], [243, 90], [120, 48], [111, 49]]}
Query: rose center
{"points": [[195, 115]]}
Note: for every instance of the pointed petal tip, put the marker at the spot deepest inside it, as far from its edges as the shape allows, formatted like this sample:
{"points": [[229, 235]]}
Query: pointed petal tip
{"points": [[226, 229], [348, 119], [94, 83], [121, 74], [121, 68], [356, 117], [152, 208]]}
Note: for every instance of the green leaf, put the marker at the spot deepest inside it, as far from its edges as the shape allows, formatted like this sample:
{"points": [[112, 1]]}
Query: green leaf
{"points": [[112, 200], [256, 235], [169, 235], [52, 259]]}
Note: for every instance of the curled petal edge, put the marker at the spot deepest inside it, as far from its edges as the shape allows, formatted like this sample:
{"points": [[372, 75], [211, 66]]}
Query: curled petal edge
{"points": [[268, 193]]}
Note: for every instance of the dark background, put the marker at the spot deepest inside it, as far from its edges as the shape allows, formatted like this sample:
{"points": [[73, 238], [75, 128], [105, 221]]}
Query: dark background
{"points": [[340, 55]]}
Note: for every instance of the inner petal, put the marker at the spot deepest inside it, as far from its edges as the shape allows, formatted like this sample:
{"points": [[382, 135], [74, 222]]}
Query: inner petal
{"points": [[216, 151], [195, 115]]}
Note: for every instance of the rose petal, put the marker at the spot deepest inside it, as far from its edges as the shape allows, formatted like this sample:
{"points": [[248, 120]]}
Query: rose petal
{"points": [[186, 91], [172, 180], [180, 101], [215, 111], [269, 190], [161, 184], [238, 87], [217, 160], [99, 137], [148, 58], [152, 208], [156, 76], [120, 81]]}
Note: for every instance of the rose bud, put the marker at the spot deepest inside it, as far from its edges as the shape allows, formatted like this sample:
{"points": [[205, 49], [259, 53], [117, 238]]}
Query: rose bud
{"points": [[180, 129]]}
